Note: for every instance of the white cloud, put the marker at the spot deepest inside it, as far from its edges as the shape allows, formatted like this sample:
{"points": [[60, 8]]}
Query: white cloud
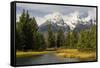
{"points": [[39, 20], [55, 16], [71, 17], [43, 9], [17, 17], [91, 14]]}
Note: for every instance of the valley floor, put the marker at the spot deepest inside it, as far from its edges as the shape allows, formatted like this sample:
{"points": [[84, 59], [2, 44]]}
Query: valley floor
{"points": [[20, 54], [75, 53], [61, 53]]}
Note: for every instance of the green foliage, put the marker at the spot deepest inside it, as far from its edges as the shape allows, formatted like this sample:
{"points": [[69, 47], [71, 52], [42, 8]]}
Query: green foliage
{"points": [[83, 39], [71, 39], [27, 34], [67, 40], [93, 37], [18, 40], [60, 38], [39, 42], [51, 37], [87, 39], [19, 35], [74, 39]]}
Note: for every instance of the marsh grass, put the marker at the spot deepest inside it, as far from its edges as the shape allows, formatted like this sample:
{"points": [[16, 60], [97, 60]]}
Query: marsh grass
{"points": [[20, 54], [61, 53], [75, 53]]}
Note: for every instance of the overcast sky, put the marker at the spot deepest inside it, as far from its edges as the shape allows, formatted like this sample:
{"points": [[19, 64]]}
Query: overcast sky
{"points": [[43, 9], [40, 10]]}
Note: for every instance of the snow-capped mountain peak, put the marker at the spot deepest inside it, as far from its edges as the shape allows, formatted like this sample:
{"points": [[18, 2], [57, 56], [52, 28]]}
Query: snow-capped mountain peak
{"points": [[56, 21], [55, 17], [72, 20]]}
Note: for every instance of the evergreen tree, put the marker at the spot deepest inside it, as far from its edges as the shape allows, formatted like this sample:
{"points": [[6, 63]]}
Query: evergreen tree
{"points": [[51, 37], [34, 25], [18, 40], [39, 42], [84, 40], [34, 30], [74, 39], [60, 38], [27, 33], [19, 34], [42, 42], [92, 37], [67, 40]]}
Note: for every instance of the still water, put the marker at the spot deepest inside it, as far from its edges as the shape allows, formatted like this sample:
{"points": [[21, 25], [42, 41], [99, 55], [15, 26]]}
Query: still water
{"points": [[43, 59]]}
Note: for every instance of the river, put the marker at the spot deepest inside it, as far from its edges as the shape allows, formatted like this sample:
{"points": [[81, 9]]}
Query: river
{"points": [[43, 59]]}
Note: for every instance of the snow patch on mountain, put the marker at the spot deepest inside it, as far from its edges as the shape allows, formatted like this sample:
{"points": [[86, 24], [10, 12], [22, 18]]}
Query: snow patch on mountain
{"points": [[55, 17], [71, 20]]}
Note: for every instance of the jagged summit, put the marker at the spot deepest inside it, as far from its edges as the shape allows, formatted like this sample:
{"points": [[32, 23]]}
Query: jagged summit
{"points": [[71, 21]]}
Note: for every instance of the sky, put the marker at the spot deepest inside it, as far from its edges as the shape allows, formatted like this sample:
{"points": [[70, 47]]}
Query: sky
{"points": [[40, 10]]}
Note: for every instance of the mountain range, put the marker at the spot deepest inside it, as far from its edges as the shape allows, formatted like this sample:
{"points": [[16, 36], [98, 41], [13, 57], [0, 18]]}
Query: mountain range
{"points": [[66, 22]]}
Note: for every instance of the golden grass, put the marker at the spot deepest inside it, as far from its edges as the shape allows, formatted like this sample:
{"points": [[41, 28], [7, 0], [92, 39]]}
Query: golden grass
{"points": [[29, 53], [75, 53], [62, 53]]}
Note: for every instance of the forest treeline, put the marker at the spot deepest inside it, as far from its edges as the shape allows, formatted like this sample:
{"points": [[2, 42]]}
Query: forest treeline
{"points": [[28, 36]]}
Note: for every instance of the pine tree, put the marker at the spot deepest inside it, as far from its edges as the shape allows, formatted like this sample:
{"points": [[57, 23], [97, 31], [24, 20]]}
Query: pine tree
{"points": [[34, 32], [39, 42], [22, 19], [51, 37], [19, 34], [60, 38], [92, 37], [74, 39], [67, 40], [42, 42], [83, 42], [27, 33], [18, 40]]}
